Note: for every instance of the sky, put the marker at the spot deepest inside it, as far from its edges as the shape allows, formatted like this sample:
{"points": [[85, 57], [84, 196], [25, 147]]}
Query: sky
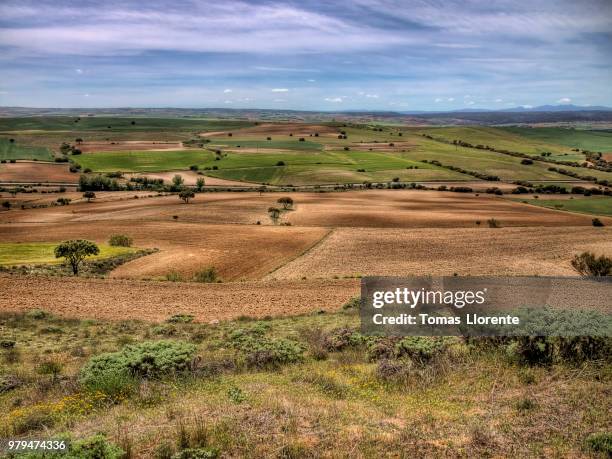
{"points": [[390, 55]]}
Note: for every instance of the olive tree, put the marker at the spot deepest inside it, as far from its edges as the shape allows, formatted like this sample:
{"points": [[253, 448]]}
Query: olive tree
{"points": [[186, 195], [200, 183], [286, 202], [75, 251]]}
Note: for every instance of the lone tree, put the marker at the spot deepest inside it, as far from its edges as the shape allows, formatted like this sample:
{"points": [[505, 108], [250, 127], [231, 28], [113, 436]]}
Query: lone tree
{"points": [[587, 264], [89, 195], [274, 214], [186, 195], [200, 183], [286, 202], [75, 252]]}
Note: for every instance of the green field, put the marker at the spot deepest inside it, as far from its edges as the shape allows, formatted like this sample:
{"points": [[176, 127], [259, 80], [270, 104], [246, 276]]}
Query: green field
{"points": [[14, 150], [276, 144], [596, 205], [102, 123], [593, 140], [501, 139], [299, 168], [42, 253]]}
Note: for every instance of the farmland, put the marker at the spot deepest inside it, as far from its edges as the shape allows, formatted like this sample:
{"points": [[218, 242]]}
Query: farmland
{"points": [[594, 205], [42, 252], [255, 286]]}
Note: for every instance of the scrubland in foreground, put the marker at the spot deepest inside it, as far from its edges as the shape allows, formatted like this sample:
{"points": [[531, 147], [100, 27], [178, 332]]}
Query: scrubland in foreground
{"points": [[304, 386]]}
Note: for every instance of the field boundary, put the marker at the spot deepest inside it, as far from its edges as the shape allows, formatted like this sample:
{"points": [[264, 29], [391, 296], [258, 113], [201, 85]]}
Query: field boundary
{"points": [[316, 244]]}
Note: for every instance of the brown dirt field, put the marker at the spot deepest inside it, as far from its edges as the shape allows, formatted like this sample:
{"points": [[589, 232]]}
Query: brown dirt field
{"points": [[374, 208], [36, 172], [237, 251], [35, 199], [129, 145], [483, 251], [607, 156], [418, 209], [114, 299], [270, 129], [190, 178]]}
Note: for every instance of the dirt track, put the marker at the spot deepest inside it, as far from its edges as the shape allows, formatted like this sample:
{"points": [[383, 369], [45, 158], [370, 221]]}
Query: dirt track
{"points": [[156, 301]]}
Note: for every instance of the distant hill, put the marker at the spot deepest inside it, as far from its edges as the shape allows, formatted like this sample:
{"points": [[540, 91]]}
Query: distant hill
{"points": [[512, 116]]}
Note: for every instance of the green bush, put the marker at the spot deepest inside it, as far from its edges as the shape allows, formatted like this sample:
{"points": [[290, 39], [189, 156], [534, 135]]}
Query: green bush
{"points": [[120, 240], [353, 303], [600, 442], [38, 314], [147, 359], [342, 338], [260, 351], [421, 349], [180, 318], [206, 275]]}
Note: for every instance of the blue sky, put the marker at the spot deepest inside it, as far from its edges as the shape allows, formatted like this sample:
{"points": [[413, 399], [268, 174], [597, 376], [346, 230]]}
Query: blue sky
{"points": [[313, 55]]}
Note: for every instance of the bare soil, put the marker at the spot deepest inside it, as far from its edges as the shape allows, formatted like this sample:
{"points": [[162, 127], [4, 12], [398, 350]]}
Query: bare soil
{"points": [[37, 172], [445, 251], [115, 299]]}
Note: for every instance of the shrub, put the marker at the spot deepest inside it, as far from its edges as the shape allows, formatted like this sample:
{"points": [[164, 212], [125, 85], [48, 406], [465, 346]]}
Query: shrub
{"points": [[342, 338], [146, 359], [597, 222], [353, 303], [260, 351], [280, 163], [493, 223], [420, 349], [587, 264], [38, 314], [600, 442], [206, 275], [391, 369], [181, 318], [89, 195], [197, 453], [174, 276], [120, 240]]}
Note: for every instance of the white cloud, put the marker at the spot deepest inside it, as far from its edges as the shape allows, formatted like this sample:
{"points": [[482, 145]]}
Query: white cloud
{"points": [[228, 102], [311, 80], [372, 96], [280, 100], [470, 102], [438, 99], [280, 90], [333, 99], [499, 100], [564, 100], [227, 91], [79, 71], [451, 99]]}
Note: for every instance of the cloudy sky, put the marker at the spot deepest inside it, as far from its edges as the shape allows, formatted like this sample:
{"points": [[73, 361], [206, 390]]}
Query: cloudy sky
{"points": [[319, 55]]}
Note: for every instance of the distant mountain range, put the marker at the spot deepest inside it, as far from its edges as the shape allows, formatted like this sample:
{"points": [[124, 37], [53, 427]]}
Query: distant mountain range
{"points": [[511, 116], [522, 109]]}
